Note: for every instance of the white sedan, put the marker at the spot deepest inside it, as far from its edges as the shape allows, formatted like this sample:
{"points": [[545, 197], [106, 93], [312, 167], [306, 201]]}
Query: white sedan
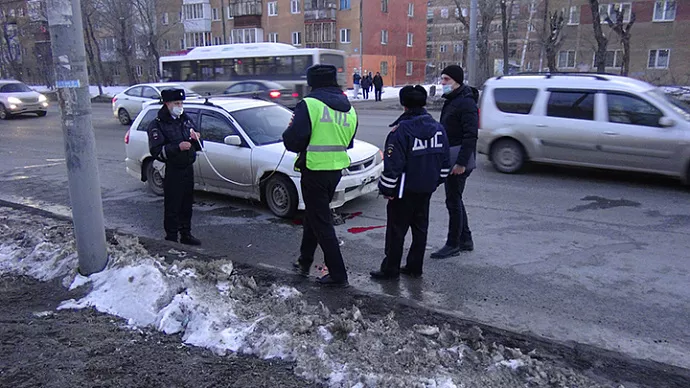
{"points": [[128, 104], [242, 141]]}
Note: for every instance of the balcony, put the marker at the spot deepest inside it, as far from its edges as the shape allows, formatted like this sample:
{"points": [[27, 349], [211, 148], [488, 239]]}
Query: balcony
{"points": [[319, 15], [247, 13], [197, 15]]}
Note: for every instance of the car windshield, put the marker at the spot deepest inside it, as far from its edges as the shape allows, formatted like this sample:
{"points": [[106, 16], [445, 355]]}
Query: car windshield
{"points": [[679, 106], [15, 88], [264, 124]]}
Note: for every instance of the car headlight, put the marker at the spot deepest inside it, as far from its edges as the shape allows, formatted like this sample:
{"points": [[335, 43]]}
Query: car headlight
{"points": [[379, 158], [42, 98], [14, 100]]}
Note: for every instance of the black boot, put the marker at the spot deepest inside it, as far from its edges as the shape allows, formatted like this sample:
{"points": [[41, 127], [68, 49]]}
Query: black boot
{"points": [[446, 252], [171, 237], [301, 269], [327, 280], [188, 239], [410, 273], [381, 275]]}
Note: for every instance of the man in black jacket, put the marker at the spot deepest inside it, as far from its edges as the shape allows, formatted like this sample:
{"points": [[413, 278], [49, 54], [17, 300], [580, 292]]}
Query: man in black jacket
{"points": [[416, 162], [460, 118], [173, 141], [378, 86]]}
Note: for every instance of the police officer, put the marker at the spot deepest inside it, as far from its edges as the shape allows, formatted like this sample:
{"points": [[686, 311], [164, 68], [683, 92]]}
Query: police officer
{"points": [[173, 141], [416, 162], [322, 129]]}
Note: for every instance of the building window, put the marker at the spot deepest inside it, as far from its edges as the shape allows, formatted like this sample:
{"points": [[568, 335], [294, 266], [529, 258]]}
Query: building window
{"points": [[574, 18], [164, 19], [443, 48], [139, 70], [344, 35], [614, 58], [658, 59], [197, 39], [297, 38], [457, 29], [384, 36], [182, 47], [410, 39], [214, 13], [295, 6], [457, 48], [246, 35], [273, 37], [384, 68], [193, 11], [345, 4], [444, 13], [665, 11], [409, 68], [273, 8], [410, 10], [384, 6], [217, 40], [566, 59], [166, 44], [229, 12], [612, 10]]}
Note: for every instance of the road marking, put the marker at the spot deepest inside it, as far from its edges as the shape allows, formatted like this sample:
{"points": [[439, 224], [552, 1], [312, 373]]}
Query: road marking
{"points": [[43, 165]]}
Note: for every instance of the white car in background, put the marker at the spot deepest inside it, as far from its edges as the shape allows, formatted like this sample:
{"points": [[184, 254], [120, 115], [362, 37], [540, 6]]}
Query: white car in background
{"points": [[17, 98], [128, 104], [243, 140]]}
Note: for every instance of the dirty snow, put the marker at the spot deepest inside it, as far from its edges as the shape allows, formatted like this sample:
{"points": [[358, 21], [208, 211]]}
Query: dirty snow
{"points": [[109, 91], [213, 306], [388, 92]]}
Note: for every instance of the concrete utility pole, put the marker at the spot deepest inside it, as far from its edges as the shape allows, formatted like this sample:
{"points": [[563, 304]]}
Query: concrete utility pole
{"points": [[361, 45], [72, 79], [222, 19], [472, 54]]}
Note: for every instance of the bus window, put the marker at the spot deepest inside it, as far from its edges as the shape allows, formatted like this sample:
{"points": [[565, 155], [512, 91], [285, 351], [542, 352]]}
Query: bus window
{"points": [[244, 66], [333, 59], [264, 66], [284, 65], [302, 63]]}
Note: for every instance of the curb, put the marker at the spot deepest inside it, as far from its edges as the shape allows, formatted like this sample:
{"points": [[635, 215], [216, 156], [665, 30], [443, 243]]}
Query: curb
{"points": [[597, 362]]}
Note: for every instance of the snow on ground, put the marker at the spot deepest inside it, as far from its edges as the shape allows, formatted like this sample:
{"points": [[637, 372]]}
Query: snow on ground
{"points": [[109, 91], [389, 92], [214, 307]]}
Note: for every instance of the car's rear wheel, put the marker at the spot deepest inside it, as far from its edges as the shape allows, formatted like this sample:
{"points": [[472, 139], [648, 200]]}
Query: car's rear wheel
{"points": [[123, 116], [4, 114], [507, 156], [154, 176], [41, 113], [281, 196]]}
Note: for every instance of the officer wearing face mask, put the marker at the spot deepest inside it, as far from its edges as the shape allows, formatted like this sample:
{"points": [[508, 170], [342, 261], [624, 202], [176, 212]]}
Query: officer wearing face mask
{"points": [[173, 141]]}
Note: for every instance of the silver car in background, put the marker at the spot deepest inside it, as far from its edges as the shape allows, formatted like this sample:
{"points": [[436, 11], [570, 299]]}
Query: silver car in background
{"points": [[17, 98], [128, 104]]}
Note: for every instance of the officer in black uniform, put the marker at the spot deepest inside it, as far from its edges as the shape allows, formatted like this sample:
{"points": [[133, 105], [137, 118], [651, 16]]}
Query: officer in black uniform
{"points": [[416, 162], [173, 141]]}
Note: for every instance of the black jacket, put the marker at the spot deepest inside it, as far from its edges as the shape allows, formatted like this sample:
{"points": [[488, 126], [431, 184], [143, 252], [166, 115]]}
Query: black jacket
{"points": [[166, 134], [378, 82], [296, 137], [418, 147], [460, 118]]}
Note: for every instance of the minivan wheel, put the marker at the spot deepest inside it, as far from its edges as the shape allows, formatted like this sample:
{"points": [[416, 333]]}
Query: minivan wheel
{"points": [[281, 196], [507, 156], [154, 178], [123, 116]]}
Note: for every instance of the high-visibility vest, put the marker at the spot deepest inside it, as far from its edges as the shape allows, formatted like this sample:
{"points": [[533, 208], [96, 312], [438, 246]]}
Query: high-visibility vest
{"points": [[331, 133]]}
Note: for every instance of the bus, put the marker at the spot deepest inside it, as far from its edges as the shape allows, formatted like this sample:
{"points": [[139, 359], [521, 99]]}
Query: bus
{"points": [[210, 70]]}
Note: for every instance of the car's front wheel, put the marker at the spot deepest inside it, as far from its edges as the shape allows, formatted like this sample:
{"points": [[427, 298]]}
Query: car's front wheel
{"points": [[507, 156], [281, 196], [123, 117], [4, 114], [154, 176], [42, 113]]}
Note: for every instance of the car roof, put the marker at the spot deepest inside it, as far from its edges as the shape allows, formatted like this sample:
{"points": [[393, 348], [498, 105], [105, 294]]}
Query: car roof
{"points": [[573, 80], [230, 104]]}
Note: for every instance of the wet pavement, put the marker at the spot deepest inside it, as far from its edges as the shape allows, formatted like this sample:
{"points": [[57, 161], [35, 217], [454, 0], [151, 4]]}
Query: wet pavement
{"points": [[571, 255]]}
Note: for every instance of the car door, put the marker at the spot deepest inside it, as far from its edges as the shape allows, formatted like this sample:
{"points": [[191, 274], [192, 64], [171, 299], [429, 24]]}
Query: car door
{"points": [[149, 94], [132, 100], [633, 137], [237, 90], [567, 132], [193, 115], [232, 162]]}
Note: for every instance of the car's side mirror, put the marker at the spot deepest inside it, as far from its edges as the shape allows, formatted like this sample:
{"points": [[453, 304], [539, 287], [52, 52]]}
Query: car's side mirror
{"points": [[233, 140], [666, 122]]}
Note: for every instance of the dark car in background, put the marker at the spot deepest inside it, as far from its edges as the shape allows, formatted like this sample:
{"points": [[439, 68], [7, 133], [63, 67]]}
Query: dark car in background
{"points": [[264, 90]]}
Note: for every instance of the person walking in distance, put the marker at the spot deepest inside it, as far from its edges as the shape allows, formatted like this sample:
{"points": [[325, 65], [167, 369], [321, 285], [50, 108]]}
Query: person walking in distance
{"points": [[460, 118], [173, 141], [416, 161], [366, 86], [378, 86], [356, 82], [323, 128]]}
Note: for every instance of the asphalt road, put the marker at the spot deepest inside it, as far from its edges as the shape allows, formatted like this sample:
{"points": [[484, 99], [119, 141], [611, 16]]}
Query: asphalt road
{"points": [[574, 255]]}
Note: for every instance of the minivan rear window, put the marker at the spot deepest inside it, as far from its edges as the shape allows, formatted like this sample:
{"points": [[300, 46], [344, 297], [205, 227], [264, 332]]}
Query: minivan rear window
{"points": [[515, 100]]}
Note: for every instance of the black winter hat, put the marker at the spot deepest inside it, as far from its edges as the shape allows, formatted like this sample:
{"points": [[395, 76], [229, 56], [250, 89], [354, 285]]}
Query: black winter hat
{"points": [[413, 96], [170, 95], [455, 72], [322, 76]]}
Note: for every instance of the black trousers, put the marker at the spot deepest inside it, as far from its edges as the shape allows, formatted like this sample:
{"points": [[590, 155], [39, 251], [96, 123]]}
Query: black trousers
{"points": [[318, 188], [365, 93], [458, 227], [178, 186], [410, 211], [377, 94]]}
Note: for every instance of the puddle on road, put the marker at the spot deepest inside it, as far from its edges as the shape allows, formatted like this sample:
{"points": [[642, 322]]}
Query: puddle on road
{"points": [[601, 203]]}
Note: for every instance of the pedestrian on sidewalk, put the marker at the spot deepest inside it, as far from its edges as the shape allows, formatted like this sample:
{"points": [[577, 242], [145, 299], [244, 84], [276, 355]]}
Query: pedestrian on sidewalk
{"points": [[460, 118], [366, 86], [323, 128], [356, 82], [416, 162], [173, 141], [378, 86]]}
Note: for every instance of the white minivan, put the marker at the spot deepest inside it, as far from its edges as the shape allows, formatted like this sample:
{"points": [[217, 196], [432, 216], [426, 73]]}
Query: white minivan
{"points": [[584, 119]]}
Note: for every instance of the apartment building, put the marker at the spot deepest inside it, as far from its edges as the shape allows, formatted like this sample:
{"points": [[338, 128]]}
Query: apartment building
{"points": [[448, 37], [659, 52]]}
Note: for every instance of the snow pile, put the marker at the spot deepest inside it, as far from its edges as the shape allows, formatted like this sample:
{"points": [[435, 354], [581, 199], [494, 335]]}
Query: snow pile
{"points": [[388, 92], [108, 91], [214, 307]]}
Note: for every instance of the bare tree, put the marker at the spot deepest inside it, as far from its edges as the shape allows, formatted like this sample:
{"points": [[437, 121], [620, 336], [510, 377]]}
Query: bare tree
{"points": [[553, 39], [602, 40], [93, 52], [487, 14], [506, 19], [150, 30], [623, 32], [10, 50], [118, 18]]}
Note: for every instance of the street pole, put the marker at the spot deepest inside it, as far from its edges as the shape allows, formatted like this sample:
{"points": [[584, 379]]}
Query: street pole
{"points": [[222, 18], [72, 79], [472, 60], [361, 25]]}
